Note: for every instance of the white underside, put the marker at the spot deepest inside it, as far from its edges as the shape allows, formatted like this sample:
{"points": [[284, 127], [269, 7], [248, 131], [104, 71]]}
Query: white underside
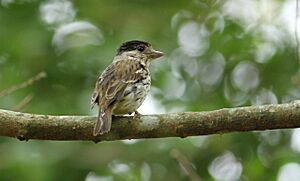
{"points": [[131, 102]]}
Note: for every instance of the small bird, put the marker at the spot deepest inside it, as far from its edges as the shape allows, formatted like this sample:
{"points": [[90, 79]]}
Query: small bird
{"points": [[124, 84]]}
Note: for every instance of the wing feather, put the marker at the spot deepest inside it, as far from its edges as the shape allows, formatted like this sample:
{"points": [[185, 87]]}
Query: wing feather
{"points": [[113, 82]]}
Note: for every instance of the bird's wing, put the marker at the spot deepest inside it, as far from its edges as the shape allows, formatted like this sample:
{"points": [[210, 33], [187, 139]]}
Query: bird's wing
{"points": [[101, 84], [95, 96], [114, 81]]}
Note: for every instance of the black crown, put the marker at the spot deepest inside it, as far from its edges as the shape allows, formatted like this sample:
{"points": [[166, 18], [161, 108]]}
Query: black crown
{"points": [[131, 45]]}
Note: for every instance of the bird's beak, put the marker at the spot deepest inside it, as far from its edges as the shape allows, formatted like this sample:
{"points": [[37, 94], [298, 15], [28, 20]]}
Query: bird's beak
{"points": [[156, 54]]}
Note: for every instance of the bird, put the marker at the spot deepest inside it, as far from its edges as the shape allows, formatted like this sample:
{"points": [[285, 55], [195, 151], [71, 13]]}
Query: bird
{"points": [[124, 84]]}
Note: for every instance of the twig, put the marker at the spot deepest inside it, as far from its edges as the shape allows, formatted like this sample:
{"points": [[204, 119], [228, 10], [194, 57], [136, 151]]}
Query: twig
{"points": [[185, 164], [27, 83], [23, 103]]}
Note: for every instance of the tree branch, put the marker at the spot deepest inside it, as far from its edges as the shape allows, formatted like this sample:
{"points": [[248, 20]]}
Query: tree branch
{"points": [[27, 83], [26, 126]]}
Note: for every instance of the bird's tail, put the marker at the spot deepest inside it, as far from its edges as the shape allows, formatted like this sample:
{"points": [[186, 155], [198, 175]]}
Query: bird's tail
{"points": [[103, 124]]}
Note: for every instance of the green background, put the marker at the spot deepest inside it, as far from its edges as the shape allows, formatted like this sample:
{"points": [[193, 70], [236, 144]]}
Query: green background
{"points": [[218, 54]]}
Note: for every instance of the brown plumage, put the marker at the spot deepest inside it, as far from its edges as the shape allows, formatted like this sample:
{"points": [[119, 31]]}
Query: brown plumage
{"points": [[124, 84]]}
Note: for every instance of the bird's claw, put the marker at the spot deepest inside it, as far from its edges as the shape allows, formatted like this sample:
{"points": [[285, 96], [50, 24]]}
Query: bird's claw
{"points": [[137, 115]]}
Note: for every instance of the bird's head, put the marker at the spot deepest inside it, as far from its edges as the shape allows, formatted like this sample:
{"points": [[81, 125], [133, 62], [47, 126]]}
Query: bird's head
{"points": [[139, 49]]}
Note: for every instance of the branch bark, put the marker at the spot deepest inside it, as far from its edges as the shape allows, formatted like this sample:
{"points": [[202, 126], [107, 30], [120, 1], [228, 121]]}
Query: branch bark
{"points": [[26, 126]]}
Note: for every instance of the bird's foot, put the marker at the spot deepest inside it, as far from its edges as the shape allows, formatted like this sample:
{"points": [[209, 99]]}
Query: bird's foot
{"points": [[137, 116]]}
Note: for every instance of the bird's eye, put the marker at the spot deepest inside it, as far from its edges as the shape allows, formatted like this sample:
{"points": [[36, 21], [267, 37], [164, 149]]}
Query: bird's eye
{"points": [[141, 48]]}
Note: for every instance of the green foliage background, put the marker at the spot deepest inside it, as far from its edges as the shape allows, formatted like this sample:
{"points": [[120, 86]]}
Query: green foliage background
{"points": [[218, 54]]}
